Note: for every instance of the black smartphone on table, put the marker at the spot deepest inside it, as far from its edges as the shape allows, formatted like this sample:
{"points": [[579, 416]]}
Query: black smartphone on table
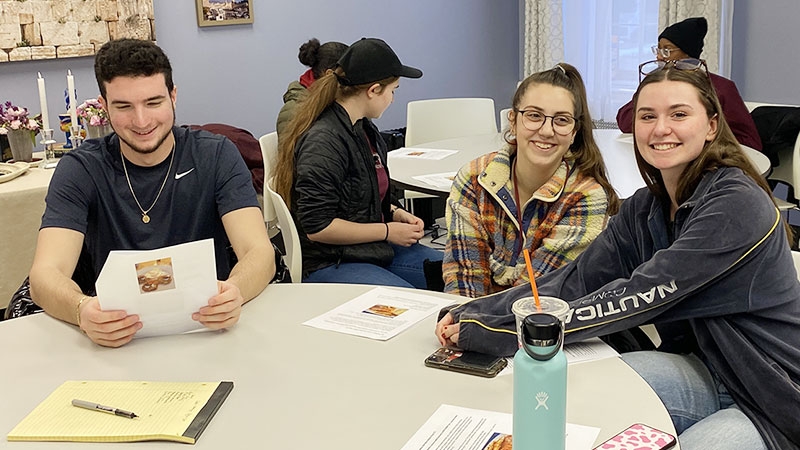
{"points": [[472, 363]]}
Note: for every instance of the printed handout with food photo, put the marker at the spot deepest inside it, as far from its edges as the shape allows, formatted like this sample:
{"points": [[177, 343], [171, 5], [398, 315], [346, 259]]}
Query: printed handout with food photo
{"points": [[155, 275], [385, 311]]}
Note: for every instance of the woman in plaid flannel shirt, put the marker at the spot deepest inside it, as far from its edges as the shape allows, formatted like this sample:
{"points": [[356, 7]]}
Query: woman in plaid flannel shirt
{"points": [[546, 191]]}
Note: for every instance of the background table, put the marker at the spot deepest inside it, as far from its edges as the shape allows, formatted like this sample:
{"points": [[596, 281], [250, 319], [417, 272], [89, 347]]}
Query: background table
{"points": [[21, 209], [296, 386], [616, 148]]}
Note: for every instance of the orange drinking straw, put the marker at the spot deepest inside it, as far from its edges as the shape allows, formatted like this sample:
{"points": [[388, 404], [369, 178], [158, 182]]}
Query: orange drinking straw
{"points": [[533, 281]]}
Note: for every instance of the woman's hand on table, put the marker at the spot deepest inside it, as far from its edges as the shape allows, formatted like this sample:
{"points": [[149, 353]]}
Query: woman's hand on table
{"points": [[447, 331]]}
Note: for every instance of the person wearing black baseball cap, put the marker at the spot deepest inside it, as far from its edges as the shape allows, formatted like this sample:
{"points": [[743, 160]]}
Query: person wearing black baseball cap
{"points": [[331, 171], [684, 40]]}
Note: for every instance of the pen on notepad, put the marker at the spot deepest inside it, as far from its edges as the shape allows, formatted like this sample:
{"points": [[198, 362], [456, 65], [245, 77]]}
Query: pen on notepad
{"points": [[108, 409]]}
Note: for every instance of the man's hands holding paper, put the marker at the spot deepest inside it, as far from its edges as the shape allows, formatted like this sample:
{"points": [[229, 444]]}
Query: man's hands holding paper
{"points": [[115, 328], [107, 328], [223, 310]]}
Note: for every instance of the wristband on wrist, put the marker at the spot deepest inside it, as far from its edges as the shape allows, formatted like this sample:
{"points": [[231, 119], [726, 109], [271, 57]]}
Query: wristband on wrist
{"points": [[386, 238], [78, 310]]}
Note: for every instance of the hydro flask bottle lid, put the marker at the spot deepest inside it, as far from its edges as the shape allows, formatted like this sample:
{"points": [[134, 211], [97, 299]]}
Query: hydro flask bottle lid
{"points": [[541, 330]]}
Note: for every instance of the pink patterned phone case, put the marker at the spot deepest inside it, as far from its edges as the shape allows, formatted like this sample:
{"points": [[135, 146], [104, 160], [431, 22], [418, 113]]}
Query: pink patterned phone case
{"points": [[639, 437]]}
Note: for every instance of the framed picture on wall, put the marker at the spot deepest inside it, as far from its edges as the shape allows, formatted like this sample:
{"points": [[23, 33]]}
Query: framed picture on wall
{"points": [[223, 12]]}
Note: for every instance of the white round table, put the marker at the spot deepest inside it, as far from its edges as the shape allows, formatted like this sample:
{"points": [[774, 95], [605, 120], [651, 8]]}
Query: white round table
{"points": [[296, 386]]}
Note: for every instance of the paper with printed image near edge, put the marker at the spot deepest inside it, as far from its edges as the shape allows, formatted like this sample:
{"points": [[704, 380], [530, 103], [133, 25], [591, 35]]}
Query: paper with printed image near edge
{"points": [[161, 312]]}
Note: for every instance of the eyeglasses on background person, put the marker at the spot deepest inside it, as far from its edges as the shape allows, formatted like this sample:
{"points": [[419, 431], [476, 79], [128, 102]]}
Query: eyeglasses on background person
{"points": [[690, 64], [563, 124], [664, 52]]}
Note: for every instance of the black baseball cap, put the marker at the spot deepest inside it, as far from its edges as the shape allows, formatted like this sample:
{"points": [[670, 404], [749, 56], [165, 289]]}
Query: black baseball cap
{"points": [[369, 60]]}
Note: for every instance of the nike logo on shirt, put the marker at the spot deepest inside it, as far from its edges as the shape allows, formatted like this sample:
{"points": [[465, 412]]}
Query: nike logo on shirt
{"points": [[178, 176]]}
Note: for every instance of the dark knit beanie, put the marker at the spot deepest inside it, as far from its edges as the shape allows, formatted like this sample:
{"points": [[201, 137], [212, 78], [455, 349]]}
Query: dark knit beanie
{"points": [[688, 35]]}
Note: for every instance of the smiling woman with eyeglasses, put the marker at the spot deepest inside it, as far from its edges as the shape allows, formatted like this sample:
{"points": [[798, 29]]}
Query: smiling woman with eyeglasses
{"points": [[681, 44], [546, 191]]}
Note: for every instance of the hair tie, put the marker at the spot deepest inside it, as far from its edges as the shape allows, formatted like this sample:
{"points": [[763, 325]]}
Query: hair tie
{"points": [[558, 66], [341, 79]]}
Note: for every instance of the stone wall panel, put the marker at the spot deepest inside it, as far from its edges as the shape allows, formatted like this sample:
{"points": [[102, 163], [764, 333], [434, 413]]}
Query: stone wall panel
{"points": [[93, 32], [42, 11], [43, 52], [71, 51], [134, 27], [107, 10], [56, 33], [26, 18], [10, 35], [15, 12], [70, 28], [31, 34], [84, 10], [20, 54]]}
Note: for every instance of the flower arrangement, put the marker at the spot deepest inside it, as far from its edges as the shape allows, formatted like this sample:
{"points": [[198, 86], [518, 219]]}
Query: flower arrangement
{"points": [[16, 118], [92, 113]]}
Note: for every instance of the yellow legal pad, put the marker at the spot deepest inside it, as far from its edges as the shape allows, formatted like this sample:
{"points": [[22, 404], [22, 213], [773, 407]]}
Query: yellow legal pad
{"points": [[167, 411]]}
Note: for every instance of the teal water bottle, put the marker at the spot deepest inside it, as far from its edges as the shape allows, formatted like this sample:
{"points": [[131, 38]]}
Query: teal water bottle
{"points": [[540, 386]]}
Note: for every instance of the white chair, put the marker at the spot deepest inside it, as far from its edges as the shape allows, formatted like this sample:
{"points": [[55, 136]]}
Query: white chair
{"points": [[444, 118], [291, 237], [504, 123], [788, 169], [269, 152]]}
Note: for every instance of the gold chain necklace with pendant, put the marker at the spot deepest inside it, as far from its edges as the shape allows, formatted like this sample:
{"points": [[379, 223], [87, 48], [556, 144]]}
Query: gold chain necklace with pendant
{"points": [[145, 217]]}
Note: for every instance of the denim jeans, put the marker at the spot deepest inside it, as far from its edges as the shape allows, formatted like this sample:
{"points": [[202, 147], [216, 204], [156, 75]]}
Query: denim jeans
{"points": [[704, 414], [404, 271]]}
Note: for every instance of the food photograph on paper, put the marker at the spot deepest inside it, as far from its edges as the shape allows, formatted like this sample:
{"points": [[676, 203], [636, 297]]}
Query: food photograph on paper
{"points": [[385, 310], [155, 275], [499, 441]]}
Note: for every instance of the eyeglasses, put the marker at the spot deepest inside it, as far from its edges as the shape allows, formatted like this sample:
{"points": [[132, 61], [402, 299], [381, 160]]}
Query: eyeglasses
{"points": [[534, 120], [690, 64], [663, 52]]}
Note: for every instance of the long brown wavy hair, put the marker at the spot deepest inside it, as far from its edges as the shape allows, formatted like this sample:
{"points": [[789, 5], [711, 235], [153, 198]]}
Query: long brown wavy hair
{"points": [[322, 94], [583, 151], [722, 151]]}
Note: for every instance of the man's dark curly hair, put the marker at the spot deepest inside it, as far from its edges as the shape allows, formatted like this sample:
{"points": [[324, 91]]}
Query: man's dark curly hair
{"points": [[130, 58]]}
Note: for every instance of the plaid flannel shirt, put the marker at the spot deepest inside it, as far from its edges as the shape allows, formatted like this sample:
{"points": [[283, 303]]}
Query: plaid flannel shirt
{"points": [[484, 255]]}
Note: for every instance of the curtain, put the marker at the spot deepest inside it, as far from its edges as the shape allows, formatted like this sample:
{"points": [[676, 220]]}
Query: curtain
{"points": [[588, 46], [718, 13], [544, 37]]}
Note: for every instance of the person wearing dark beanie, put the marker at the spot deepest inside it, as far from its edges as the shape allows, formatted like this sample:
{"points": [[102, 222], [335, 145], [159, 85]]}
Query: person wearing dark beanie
{"points": [[684, 40], [687, 35]]}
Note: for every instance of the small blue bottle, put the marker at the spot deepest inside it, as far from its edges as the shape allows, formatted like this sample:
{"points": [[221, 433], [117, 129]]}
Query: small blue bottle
{"points": [[540, 386]]}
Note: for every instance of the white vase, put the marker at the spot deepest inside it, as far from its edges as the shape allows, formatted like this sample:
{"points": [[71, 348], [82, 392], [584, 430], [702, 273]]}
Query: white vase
{"points": [[98, 131], [21, 143]]}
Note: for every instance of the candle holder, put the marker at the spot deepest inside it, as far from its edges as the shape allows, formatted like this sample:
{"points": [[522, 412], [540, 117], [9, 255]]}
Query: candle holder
{"points": [[48, 142], [75, 136]]}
